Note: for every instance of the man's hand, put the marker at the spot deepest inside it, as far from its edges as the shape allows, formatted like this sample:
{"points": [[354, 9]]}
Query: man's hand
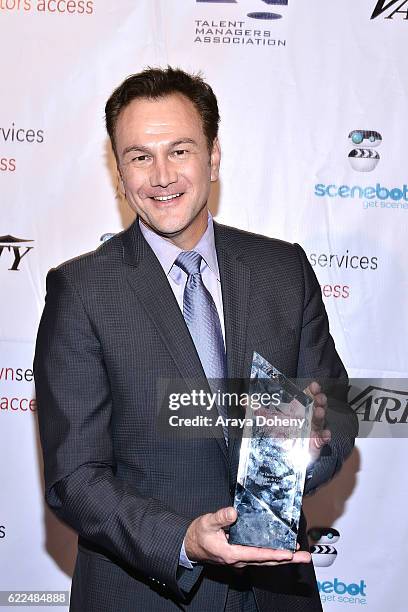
{"points": [[207, 542], [319, 436]]}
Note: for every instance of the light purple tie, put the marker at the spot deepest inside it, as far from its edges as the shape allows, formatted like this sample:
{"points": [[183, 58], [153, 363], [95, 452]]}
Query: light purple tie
{"points": [[201, 316]]}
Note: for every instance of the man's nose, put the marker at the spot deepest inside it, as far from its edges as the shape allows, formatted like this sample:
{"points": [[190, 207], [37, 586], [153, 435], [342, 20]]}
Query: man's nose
{"points": [[162, 174]]}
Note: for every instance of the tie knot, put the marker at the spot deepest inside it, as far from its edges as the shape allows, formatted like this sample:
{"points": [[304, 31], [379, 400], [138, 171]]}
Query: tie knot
{"points": [[189, 261]]}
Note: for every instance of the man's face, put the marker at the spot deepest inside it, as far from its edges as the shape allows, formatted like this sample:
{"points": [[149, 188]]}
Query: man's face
{"points": [[165, 166]]}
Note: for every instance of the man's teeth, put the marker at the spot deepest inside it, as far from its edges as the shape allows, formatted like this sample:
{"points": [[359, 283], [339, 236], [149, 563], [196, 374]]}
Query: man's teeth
{"points": [[165, 198]]}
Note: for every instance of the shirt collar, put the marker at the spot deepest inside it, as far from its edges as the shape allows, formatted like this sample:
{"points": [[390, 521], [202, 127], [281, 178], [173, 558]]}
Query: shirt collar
{"points": [[167, 252]]}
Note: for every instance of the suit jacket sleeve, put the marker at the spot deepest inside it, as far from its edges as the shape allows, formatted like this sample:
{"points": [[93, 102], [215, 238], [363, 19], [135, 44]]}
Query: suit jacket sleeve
{"points": [[75, 411], [318, 360]]}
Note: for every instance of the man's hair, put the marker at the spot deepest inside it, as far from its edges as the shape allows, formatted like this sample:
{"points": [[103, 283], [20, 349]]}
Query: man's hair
{"points": [[155, 83]]}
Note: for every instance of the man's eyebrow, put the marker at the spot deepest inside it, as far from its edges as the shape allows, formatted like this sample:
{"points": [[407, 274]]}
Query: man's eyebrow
{"points": [[183, 141], [174, 143], [135, 147]]}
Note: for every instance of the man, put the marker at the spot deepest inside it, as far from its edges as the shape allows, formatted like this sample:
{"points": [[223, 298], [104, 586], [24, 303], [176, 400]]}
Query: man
{"points": [[176, 297]]}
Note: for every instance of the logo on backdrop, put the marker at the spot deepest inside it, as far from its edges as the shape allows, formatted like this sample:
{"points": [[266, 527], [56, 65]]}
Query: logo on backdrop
{"points": [[389, 9], [57, 7], [364, 158], [235, 31], [323, 552], [15, 135], [339, 591], [340, 261], [343, 261], [255, 14], [13, 250], [381, 405], [371, 197], [7, 164], [16, 374], [106, 236], [16, 404]]}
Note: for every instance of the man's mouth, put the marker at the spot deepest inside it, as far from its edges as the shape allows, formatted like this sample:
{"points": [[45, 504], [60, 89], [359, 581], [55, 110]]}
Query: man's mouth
{"points": [[167, 197]]}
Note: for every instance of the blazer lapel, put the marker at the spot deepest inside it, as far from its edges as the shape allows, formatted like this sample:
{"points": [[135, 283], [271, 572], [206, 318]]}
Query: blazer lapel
{"points": [[235, 282], [152, 289]]}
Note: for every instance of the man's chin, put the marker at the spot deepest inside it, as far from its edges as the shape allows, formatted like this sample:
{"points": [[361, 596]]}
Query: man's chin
{"points": [[171, 228], [176, 228], [171, 232], [165, 229]]}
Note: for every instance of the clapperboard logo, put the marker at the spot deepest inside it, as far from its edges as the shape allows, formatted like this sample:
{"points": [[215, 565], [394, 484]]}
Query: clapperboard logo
{"points": [[323, 552], [364, 157]]}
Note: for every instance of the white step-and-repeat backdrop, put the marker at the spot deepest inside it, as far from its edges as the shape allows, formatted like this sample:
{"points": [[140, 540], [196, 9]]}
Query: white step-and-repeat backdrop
{"points": [[313, 98]]}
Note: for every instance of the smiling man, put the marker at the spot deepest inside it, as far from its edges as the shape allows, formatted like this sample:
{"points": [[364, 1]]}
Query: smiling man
{"points": [[178, 297]]}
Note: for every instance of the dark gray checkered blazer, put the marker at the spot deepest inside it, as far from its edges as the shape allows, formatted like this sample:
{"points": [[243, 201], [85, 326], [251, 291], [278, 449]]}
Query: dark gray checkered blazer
{"points": [[111, 328]]}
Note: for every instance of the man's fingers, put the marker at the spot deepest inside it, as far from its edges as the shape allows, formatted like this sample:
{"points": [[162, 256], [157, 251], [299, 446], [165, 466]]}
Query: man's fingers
{"points": [[323, 438], [319, 414], [315, 392], [206, 541], [320, 400], [313, 389], [320, 438], [222, 518], [317, 442], [253, 554], [301, 556], [298, 557]]}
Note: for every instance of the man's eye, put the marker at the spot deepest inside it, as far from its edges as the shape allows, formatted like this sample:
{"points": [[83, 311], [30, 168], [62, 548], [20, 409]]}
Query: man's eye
{"points": [[140, 158], [180, 152]]}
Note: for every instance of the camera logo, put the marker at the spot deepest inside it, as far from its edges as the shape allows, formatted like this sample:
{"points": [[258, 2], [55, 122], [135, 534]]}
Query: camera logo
{"points": [[323, 552], [364, 158]]}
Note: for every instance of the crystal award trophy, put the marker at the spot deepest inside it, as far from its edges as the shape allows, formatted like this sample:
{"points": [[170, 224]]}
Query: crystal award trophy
{"points": [[273, 459]]}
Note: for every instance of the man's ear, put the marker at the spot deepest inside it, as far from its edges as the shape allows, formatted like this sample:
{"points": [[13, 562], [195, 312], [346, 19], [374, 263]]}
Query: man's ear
{"points": [[120, 186], [215, 160]]}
